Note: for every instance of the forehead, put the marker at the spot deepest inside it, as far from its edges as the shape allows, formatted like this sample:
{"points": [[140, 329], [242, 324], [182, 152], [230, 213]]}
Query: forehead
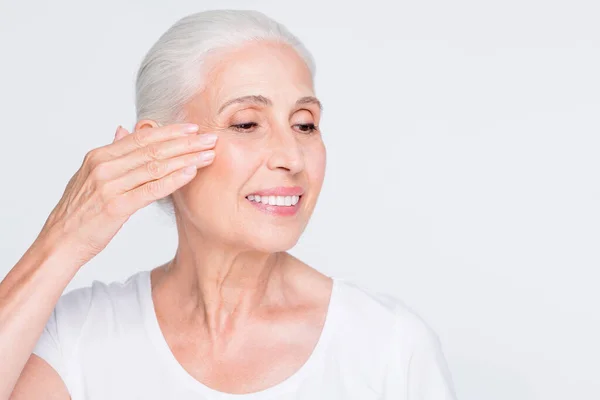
{"points": [[270, 69]]}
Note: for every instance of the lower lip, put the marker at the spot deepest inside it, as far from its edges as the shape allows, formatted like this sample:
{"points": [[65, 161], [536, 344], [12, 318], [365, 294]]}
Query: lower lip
{"points": [[277, 210]]}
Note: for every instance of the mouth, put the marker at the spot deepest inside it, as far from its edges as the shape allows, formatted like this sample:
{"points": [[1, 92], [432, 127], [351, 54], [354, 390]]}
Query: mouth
{"points": [[278, 201], [281, 201]]}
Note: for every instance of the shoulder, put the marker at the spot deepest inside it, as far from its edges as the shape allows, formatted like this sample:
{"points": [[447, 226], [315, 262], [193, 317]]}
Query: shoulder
{"points": [[382, 311], [99, 301], [85, 318], [378, 325], [409, 354], [100, 292]]}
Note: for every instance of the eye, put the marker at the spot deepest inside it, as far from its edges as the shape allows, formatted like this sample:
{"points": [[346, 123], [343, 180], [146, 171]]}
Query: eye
{"points": [[307, 128], [244, 127]]}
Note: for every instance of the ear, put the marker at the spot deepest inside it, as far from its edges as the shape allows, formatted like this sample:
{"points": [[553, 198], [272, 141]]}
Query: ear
{"points": [[145, 123]]}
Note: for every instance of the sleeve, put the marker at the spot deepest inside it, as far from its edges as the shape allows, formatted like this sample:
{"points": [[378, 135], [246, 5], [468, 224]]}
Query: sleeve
{"points": [[59, 338], [48, 347], [417, 368], [428, 376]]}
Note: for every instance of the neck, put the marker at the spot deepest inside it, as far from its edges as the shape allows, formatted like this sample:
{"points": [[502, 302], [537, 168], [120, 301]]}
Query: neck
{"points": [[219, 286]]}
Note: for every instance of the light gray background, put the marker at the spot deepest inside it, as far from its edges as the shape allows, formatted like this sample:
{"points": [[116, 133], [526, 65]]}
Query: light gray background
{"points": [[463, 162]]}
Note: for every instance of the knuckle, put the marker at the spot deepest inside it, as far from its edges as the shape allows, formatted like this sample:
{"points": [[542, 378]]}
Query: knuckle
{"points": [[154, 188], [99, 171], [105, 192], [155, 168], [153, 152], [91, 157], [139, 140]]}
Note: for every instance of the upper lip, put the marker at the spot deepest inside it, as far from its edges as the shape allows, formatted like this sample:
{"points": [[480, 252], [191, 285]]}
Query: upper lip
{"points": [[281, 191]]}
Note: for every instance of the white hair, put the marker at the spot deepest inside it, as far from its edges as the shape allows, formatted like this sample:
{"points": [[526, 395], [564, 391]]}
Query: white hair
{"points": [[170, 73]]}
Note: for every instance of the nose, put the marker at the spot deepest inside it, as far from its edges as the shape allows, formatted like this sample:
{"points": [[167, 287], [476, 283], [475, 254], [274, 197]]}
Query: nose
{"points": [[286, 151]]}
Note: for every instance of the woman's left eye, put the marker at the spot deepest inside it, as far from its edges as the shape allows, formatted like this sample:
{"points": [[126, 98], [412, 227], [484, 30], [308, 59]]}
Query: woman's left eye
{"points": [[307, 128]]}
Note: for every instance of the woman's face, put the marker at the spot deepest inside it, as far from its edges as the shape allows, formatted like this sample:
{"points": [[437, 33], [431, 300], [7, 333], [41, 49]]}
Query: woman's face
{"points": [[259, 100]]}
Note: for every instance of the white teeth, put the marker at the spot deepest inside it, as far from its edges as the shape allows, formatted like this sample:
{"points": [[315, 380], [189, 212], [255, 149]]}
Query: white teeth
{"points": [[282, 201]]}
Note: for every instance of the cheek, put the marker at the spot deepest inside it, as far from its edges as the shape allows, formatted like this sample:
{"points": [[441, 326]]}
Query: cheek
{"points": [[316, 160], [236, 160], [224, 178], [231, 169]]}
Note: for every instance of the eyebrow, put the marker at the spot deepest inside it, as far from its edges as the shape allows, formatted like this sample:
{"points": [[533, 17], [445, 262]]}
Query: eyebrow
{"points": [[309, 100], [262, 100]]}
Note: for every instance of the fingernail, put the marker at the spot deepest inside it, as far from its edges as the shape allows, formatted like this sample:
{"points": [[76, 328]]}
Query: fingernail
{"points": [[191, 128], [208, 138], [117, 131], [207, 155]]}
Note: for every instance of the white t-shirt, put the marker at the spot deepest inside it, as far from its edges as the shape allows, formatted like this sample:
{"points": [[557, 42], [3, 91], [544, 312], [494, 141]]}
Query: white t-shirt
{"points": [[105, 343]]}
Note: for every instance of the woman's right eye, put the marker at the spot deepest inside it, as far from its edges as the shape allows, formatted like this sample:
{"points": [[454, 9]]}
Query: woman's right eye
{"points": [[245, 127]]}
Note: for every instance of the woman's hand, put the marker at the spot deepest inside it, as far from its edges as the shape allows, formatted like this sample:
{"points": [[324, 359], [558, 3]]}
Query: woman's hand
{"points": [[118, 179], [113, 182]]}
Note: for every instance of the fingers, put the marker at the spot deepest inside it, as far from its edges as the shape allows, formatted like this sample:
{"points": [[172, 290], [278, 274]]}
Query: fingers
{"points": [[125, 142], [144, 137], [155, 158], [159, 169], [140, 167], [143, 195]]}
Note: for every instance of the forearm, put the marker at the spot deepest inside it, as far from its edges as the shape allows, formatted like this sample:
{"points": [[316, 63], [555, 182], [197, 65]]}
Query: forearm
{"points": [[28, 294]]}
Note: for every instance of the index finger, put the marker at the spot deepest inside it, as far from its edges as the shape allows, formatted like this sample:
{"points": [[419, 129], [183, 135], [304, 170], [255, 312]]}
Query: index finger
{"points": [[144, 137]]}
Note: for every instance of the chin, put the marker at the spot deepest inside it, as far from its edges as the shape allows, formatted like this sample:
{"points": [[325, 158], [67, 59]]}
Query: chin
{"points": [[272, 242]]}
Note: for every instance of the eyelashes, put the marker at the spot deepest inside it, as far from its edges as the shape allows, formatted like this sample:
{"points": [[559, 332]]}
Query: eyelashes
{"points": [[245, 127], [311, 127], [249, 126]]}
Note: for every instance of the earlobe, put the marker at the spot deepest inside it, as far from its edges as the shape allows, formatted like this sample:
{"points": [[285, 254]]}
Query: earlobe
{"points": [[145, 123]]}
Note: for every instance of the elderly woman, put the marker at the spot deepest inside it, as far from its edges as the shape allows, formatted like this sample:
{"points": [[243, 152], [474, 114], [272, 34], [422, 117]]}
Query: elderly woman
{"points": [[228, 135]]}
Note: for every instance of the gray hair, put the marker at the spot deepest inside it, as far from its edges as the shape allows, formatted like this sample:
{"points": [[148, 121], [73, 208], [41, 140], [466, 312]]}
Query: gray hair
{"points": [[169, 75]]}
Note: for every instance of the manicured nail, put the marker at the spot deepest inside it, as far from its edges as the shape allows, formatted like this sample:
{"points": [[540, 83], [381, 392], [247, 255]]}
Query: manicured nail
{"points": [[208, 138], [207, 155], [191, 128]]}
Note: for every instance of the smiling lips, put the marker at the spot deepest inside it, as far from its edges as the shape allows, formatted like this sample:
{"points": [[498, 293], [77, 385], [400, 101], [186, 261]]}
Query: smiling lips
{"points": [[277, 201]]}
